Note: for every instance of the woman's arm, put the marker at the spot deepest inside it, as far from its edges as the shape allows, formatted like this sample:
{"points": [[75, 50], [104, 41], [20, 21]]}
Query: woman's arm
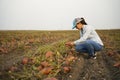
{"points": [[85, 35]]}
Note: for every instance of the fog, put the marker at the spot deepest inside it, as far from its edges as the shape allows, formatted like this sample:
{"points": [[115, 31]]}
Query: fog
{"points": [[58, 14]]}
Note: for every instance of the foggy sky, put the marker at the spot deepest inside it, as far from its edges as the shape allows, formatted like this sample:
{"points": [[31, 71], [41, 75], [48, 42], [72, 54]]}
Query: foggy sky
{"points": [[58, 14]]}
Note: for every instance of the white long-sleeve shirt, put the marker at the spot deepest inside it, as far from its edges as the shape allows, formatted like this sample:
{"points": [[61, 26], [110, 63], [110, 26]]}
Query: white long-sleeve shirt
{"points": [[88, 33]]}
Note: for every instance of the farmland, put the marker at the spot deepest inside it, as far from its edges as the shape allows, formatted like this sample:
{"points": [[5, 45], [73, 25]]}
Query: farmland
{"points": [[41, 55]]}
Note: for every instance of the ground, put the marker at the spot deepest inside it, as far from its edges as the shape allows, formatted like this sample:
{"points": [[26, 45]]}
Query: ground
{"points": [[48, 47], [98, 69]]}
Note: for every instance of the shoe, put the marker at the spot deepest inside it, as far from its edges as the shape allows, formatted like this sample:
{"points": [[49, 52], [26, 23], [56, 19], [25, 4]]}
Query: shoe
{"points": [[94, 57], [95, 54], [91, 57]]}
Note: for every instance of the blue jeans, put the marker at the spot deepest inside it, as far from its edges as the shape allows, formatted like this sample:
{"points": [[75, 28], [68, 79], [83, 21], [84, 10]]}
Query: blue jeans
{"points": [[89, 47]]}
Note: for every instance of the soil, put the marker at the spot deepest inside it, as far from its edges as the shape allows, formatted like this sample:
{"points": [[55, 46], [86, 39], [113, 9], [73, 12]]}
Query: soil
{"points": [[93, 69], [10, 59]]}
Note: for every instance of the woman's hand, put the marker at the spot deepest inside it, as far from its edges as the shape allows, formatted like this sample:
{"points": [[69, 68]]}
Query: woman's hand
{"points": [[69, 44]]}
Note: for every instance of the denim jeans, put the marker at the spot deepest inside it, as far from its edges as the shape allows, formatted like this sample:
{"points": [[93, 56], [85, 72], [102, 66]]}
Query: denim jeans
{"points": [[89, 47]]}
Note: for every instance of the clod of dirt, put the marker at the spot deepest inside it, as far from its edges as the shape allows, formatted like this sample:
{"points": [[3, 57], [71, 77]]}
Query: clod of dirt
{"points": [[70, 58], [110, 53], [13, 68], [45, 64], [25, 60], [3, 50], [66, 69], [66, 63], [49, 54], [117, 64], [40, 68], [46, 70]]}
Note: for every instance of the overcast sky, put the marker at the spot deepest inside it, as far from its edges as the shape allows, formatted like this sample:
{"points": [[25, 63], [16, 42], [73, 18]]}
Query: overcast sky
{"points": [[58, 14]]}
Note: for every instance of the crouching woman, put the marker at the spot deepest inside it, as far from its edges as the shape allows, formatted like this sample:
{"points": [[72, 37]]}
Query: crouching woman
{"points": [[89, 41]]}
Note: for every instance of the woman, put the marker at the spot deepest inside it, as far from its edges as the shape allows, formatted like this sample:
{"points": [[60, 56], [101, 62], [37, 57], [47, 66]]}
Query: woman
{"points": [[89, 41]]}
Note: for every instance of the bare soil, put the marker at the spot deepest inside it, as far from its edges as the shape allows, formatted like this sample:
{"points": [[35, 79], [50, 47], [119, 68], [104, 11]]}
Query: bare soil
{"points": [[93, 69]]}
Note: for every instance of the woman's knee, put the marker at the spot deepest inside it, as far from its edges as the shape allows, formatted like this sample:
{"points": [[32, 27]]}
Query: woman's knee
{"points": [[77, 48], [99, 48]]}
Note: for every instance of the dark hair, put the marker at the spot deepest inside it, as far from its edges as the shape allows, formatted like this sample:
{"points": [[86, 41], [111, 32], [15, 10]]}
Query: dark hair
{"points": [[83, 21]]}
